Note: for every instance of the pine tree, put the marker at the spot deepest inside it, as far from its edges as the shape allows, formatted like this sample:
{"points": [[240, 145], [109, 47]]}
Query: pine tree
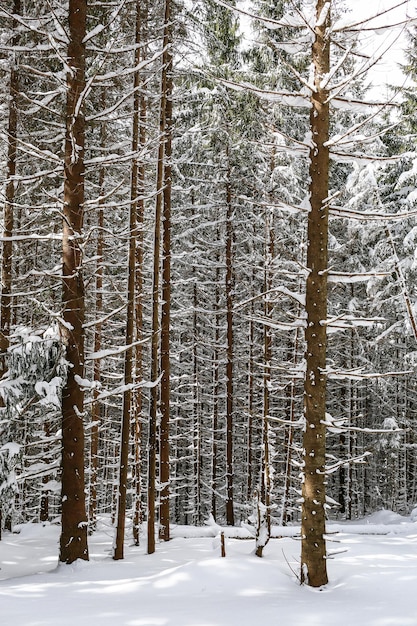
{"points": [[8, 214], [73, 541], [313, 551]]}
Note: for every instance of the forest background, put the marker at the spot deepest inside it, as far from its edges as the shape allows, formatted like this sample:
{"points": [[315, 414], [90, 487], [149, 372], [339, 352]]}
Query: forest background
{"points": [[157, 187]]}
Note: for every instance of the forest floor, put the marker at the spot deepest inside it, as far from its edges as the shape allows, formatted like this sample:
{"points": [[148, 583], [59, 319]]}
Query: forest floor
{"points": [[373, 579]]}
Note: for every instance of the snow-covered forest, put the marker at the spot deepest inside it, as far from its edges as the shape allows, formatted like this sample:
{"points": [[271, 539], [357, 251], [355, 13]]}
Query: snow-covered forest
{"points": [[208, 271]]}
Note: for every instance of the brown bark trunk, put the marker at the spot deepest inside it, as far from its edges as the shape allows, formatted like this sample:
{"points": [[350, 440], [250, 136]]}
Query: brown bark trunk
{"points": [[313, 550], [216, 390], [73, 541], [164, 532], [197, 457], [128, 380], [44, 504], [285, 517], [251, 380], [130, 399], [266, 475], [230, 518], [137, 195], [152, 443], [7, 251], [96, 407]]}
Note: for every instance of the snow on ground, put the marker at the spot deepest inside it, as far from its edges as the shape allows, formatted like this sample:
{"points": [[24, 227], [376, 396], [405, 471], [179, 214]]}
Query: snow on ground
{"points": [[373, 579]]}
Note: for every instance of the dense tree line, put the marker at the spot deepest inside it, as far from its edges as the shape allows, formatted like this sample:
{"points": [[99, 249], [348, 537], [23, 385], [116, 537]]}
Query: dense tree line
{"points": [[208, 269]]}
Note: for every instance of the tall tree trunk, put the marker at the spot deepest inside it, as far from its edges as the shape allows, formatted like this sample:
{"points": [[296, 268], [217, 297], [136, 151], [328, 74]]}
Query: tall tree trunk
{"points": [[164, 532], [313, 547], [152, 443], [216, 391], [197, 427], [137, 195], [230, 518], [44, 503], [251, 385], [73, 541], [137, 176], [8, 215], [96, 406], [128, 373], [266, 474], [289, 435]]}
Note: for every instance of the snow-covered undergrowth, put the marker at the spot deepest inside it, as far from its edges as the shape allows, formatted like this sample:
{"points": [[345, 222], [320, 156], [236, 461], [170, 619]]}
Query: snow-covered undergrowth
{"points": [[373, 578]]}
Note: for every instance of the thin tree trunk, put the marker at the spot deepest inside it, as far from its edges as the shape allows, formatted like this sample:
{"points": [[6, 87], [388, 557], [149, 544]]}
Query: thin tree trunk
{"points": [[265, 494], [197, 457], [164, 532], [8, 214], [44, 504], [73, 541], [215, 423], [313, 548], [96, 407], [251, 384], [152, 442], [230, 519], [216, 390], [289, 440], [137, 194], [130, 323], [128, 381]]}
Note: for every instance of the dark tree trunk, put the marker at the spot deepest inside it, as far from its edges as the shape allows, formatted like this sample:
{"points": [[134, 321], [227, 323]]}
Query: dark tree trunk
{"points": [[289, 436], [137, 195], [44, 504], [8, 215], [166, 284], [156, 329], [96, 406], [128, 373], [216, 391], [73, 541], [313, 550], [230, 518], [265, 495]]}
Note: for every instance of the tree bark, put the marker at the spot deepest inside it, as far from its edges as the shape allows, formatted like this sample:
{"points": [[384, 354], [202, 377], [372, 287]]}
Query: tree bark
{"points": [[164, 532], [156, 328], [216, 391], [73, 541], [313, 550], [136, 213], [96, 406], [8, 215], [265, 494], [230, 518], [137, 195], [289, 436], [128, 381], [44, 503]]}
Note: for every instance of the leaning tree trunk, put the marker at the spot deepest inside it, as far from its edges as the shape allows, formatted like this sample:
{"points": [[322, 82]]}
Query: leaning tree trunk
{"points": [[73, 541], [313, 550]]}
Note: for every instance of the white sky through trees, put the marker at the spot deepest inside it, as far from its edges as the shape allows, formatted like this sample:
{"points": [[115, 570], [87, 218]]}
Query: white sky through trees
{"points": [[392, 40]]}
